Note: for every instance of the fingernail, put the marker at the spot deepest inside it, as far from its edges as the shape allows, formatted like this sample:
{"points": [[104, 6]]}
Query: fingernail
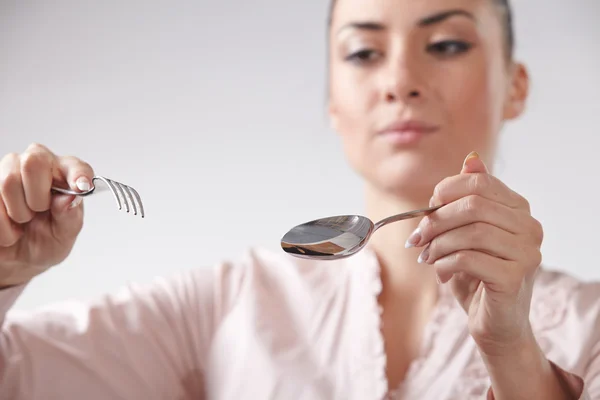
{"points": [[437, 278], [83, 184], [76, 202], [472, 154], [423, 256], [413, 239], [431, 202]]}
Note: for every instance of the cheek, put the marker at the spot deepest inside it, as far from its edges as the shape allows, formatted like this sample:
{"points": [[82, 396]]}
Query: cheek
{"points": [[354, 99], [354, 96], [474, 99]]}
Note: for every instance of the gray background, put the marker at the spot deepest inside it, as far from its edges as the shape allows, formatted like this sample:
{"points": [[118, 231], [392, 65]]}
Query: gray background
{"points": [[215, 112]]}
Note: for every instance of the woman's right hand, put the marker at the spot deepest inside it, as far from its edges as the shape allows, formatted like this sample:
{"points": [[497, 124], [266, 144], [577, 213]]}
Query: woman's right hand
{"points": [[38, 228]]}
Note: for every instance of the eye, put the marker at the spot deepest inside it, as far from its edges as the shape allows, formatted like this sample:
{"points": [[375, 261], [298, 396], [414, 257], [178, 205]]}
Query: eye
{"points": [[363, 56], [449, 47]]}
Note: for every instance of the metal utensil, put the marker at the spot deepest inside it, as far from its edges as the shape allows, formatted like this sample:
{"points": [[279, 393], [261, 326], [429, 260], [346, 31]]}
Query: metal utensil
{"points": [[123, 194], [339, 236]]}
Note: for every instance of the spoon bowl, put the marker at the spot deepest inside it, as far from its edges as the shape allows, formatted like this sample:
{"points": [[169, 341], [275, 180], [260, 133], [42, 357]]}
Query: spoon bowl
{"points": [[339, 236]]}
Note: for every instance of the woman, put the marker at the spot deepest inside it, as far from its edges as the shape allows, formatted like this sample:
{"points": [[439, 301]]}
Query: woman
{"points": [[461, 311]]}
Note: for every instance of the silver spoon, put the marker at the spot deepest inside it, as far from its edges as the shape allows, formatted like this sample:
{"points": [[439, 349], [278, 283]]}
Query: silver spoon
{"points": [[338, 237]]}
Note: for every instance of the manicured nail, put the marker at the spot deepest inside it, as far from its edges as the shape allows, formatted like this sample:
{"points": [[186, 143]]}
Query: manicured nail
{"points": [[472, 154], [413, 239], [423, 256], [76, 202], [83, 184]]}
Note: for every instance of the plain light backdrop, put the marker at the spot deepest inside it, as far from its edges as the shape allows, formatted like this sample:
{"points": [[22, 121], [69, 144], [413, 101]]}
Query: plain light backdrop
{"points": [[215, 112]]}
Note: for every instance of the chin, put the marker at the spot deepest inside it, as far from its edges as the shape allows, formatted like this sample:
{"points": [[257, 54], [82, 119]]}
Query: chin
{"points": [[407, 178]]}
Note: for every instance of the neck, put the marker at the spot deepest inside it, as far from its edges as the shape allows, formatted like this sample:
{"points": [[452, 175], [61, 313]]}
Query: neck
{"points": [[402, 275]]}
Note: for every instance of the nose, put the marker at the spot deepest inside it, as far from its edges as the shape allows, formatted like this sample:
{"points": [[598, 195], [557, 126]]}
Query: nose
{"points": [[402, 80], [392, 96]]}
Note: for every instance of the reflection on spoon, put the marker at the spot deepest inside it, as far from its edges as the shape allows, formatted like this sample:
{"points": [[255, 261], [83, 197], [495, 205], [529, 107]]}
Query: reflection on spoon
{"points": [[338, 237]]}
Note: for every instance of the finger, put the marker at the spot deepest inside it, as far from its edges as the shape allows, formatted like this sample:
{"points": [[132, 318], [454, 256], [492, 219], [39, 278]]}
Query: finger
{"points": [[464, 288], [67, 211], [478, 236], [77, 173], [474, 164], [10, 232], [468, 210], [67, 217], [36, 170], [12, 191], [74, 174], [480, 184], [61, 203], [498, 275]]}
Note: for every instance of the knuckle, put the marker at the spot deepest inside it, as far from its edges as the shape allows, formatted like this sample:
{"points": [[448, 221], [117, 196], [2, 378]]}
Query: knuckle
{"points": [[536, 259], [10, 182], [462, 258], [8, 163], [439, 191], [480, 182], [36, 147], [35, 161], [525, 203], [77, 164], [472, 205], [538, 230], [10, 158], [87, 168]]}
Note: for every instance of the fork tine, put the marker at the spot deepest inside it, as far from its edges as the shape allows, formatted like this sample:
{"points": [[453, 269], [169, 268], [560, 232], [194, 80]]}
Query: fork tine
{"points": [[130, 197], [139, 201], [124, 194], [112, 188], [121, 193]]}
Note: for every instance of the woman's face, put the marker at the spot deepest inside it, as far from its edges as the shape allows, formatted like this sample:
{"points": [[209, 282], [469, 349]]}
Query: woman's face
{"points": [[417, 85]]}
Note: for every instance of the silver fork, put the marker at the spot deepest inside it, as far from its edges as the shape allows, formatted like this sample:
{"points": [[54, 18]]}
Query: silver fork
{"points": [[122, 193]]}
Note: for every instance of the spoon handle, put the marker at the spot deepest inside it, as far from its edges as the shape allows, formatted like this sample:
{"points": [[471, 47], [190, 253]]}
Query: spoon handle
{"points": [[406, 215]]}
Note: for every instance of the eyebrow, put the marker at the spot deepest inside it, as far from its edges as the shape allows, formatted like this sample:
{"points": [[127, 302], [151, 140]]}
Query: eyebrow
{"points": [[427, 21]]}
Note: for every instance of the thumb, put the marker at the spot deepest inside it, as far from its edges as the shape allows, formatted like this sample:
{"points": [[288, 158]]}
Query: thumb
{"points": [[473, 164]]}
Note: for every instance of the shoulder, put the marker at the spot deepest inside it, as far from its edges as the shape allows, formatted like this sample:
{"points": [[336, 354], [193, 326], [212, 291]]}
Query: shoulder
{"points": [[562, 301], [556, 286]]}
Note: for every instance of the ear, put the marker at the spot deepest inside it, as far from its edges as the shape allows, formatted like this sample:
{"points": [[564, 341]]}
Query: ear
{"points": [[517, 92]]}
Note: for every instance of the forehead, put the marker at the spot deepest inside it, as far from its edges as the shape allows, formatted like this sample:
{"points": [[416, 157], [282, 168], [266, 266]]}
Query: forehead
{"points": [[405, 12]]}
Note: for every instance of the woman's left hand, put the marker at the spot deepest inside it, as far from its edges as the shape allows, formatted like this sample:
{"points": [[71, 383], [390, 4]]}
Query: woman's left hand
{"points": [[486, 243]]}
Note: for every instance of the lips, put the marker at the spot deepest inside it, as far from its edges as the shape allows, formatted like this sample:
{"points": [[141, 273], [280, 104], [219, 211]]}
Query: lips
{"points": [[408, 131], [408, 127]]}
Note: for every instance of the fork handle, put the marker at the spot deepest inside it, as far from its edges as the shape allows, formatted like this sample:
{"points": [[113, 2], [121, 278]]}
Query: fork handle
{"points": [[55, 189]]}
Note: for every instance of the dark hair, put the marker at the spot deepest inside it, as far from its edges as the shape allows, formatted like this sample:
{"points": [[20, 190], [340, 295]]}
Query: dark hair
{"points": [[507, 23]]}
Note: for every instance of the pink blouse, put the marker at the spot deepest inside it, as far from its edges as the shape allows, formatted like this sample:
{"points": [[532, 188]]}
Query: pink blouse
{"points": [[270, 326]]}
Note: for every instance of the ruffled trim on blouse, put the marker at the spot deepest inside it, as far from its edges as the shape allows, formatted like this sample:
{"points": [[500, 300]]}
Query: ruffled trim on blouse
{"points": [[444, 305], [376, 325]]}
